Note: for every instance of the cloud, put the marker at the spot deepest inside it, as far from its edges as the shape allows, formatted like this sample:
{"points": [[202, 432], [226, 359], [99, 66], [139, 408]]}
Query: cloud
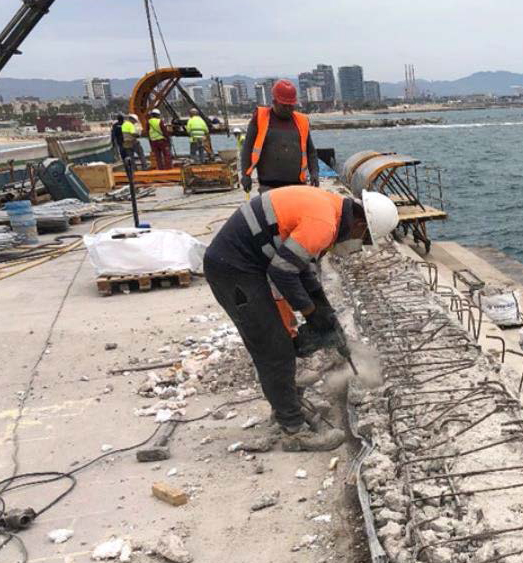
{"points": [[444, 39]]}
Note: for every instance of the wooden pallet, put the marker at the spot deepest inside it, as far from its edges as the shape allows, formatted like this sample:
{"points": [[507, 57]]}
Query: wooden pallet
{"points": [[143, 282]]}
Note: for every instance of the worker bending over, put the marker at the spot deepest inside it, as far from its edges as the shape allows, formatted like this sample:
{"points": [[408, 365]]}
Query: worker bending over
{"points": [[158, 135], [278, 144], [131, 143], [198, 132], [276, 236]]}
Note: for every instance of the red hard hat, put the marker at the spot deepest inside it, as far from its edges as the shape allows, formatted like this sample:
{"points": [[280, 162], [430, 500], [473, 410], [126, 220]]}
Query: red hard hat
{"points": [[284, 92]]}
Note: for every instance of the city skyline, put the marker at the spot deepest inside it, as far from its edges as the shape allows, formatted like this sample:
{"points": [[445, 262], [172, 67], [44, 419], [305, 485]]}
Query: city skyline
{"points": [[82, 36]]}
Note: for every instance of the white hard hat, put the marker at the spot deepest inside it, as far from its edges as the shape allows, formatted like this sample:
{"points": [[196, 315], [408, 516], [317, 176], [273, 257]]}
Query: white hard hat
{"points": [[156, 111], [134, 117], [380, 213], [237, 130]]}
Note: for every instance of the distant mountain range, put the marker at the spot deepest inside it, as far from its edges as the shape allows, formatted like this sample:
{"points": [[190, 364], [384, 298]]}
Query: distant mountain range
{"points": [[499, 83]]}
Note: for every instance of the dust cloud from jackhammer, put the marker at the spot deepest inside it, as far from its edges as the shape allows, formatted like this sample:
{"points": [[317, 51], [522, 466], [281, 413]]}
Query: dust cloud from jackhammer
{"points": [[342, 383]]}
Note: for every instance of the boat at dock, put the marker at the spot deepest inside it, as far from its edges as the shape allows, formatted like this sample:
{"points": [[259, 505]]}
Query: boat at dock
{"points": [[14, 161]]}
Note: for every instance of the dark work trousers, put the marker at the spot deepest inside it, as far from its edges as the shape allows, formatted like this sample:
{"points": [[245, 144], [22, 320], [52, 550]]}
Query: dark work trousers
{"points": [[162, 153], [248, 300], [136, 149], [197, 150]]}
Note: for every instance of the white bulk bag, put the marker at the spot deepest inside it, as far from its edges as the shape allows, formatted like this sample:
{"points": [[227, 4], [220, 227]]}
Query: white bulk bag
{"points": [[151, 250], [500, 306]]}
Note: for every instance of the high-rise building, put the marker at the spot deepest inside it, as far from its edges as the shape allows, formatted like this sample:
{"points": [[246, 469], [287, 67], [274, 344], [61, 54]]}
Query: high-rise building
{"points": [[241, 86], [315, 94], [323, 76], [214, 92], [263, 91], [259, 94], [230, 93], [371, 91], [98, 89], [269, 85], [173, 95], [196, 93], [305, 81], [351, 83]]}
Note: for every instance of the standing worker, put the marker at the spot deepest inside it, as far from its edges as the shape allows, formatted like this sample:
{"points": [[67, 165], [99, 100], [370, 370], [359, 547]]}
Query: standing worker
{"points": [[277, 235], [278, 144], [158, 135], [198, 132], [131, 143], [117, 138], [239, 135]]}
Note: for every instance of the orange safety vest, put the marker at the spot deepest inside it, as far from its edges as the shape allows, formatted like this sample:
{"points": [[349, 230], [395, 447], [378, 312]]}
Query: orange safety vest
{"points": [[302, 123]]}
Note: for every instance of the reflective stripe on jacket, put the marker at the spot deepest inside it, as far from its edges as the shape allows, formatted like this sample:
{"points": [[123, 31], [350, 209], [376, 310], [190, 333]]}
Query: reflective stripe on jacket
{"points": [[302, 124], [293, 226], [197, 128], [155, 129], [129, 134]]}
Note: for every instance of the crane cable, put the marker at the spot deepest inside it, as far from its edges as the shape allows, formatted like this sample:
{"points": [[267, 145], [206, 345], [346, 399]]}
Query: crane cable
{"points": [[160, 33], [151, 34]]}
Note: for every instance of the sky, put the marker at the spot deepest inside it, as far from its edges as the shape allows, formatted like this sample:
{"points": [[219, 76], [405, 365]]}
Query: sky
{"points": [[444, 39]]}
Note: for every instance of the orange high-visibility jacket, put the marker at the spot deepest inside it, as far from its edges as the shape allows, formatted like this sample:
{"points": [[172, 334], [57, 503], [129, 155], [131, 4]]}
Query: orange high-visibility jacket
{"points": [[293, 226], [302, 124]]}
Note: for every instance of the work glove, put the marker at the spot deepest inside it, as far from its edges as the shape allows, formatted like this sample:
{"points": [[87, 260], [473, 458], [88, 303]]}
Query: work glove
{"points": [[322, 320], [315, 181], [247, 183]]}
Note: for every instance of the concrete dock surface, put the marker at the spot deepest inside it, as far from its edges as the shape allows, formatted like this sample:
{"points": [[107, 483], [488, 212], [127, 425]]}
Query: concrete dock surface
{"points": [[61, 405], [53, 336]]}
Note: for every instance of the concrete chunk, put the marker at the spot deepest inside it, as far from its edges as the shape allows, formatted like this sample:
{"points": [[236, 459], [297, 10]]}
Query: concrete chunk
{"points": [[170, 546]]}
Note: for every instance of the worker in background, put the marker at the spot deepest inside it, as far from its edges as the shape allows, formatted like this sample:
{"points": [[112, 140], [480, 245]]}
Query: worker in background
{"points": [[198, 132], [239, 135], [275, 237], [131, 143], [278, 144], [117, 137], [158, 135]]}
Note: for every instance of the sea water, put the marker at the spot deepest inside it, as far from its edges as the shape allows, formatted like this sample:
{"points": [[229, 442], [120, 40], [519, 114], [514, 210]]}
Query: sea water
{"points": [[481, 154]]}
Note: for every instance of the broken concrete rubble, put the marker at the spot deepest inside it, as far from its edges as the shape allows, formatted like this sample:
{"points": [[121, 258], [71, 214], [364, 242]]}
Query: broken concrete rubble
{"points": [[422, 420], [251, 422], [115, 548], [265, 501], [60, 535], [171, 547]]}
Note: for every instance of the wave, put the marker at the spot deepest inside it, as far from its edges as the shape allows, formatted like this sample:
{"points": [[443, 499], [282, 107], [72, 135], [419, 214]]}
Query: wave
{"points": [[463, 125]]}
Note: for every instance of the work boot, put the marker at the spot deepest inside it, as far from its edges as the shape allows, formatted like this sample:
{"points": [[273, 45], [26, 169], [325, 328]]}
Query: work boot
{"points": [[293, 430], [307, 441], [273, 425]]}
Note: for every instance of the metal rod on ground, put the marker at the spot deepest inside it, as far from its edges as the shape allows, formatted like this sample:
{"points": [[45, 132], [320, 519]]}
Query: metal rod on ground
{"points": [[130, 176], [159, 450]]}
